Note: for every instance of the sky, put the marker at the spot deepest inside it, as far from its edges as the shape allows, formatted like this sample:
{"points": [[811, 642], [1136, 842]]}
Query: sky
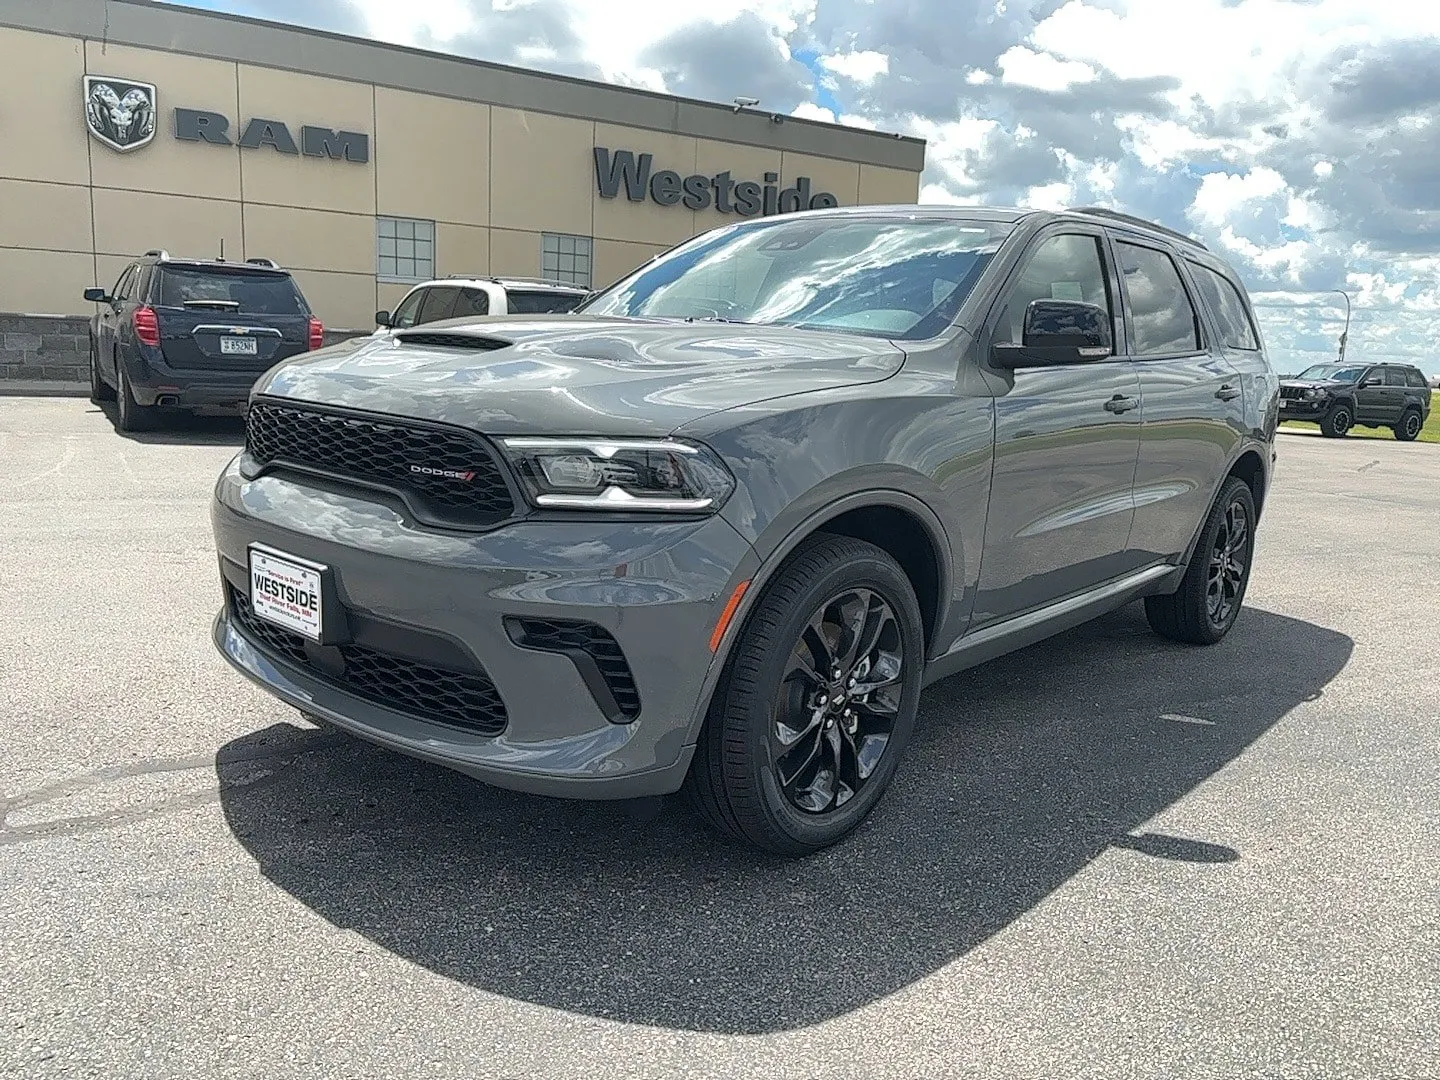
{"points": [[1300, 139]]}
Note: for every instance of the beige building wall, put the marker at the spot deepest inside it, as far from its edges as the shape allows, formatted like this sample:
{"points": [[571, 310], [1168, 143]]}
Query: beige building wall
{"points": [[492, 179]]}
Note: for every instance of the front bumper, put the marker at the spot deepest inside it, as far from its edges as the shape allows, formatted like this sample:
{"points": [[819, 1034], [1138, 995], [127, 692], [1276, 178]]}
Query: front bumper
{"points": [[1303, 409], [656, 587]]}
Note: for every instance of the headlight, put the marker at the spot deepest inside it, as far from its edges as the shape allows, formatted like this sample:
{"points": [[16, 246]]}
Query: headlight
{"points": [[1316, 392], [620, 474]]}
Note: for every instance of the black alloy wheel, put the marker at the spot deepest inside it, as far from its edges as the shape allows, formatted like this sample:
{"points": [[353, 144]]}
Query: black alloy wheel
{"points": [[1206, 605], [837, 703], [816, 702], [1229, 564]]}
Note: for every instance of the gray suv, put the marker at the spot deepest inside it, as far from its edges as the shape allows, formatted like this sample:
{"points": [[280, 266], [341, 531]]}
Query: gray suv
{"points": [[717, 529]]}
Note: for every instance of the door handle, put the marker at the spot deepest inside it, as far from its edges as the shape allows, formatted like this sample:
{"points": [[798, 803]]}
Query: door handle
{"points": [[1227, 392], [1120, 403]]}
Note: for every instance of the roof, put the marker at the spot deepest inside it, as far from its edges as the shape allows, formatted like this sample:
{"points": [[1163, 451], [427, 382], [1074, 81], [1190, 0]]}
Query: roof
{"points": [[171, 27]]}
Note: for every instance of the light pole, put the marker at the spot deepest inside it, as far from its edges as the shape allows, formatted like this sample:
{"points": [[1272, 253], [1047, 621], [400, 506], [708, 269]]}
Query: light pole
{"points": [[1344, 334]]}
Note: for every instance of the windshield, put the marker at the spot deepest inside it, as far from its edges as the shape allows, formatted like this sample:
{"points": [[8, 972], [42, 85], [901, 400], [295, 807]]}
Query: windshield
{"points": [[883, 277], [1331, 371], [239, 291], [541, 303]]}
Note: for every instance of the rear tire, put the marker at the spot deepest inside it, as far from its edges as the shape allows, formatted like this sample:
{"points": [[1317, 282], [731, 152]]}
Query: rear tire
{"points": [[1408, 429], [100, 390], [1205, 607], [1336, 424], [839, 617], [130, 415]]}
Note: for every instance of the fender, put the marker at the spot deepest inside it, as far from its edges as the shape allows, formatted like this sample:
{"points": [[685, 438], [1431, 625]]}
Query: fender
{"points": [[1172, 581], [760, 570]]}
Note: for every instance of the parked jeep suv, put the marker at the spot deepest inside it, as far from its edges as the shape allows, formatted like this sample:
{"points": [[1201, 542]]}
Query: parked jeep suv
{"points": [[467, 297], [193, 334], [1340, 396], [718, 528]]}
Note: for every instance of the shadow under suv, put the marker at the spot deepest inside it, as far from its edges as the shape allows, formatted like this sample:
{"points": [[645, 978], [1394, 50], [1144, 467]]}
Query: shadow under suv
{"points": [[718, 528]]}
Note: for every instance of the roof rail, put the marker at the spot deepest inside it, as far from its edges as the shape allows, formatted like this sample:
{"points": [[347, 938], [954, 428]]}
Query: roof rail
{"points": [[264, 262], [1138, 222], [160, 253], [521, 280]]}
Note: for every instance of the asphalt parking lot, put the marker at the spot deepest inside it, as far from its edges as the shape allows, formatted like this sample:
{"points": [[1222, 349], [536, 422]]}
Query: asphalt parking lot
{"points": [[1106, 856]]}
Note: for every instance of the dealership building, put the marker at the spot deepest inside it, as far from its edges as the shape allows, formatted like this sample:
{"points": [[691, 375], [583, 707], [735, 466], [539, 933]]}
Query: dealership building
{"points": [[363, 167]]}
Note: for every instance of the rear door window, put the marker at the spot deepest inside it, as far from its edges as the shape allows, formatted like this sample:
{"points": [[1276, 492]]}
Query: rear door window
{"points": [[244, 292], [541, 303], [1162, 318], [471, 302], [437, 305], [1228, 307]]}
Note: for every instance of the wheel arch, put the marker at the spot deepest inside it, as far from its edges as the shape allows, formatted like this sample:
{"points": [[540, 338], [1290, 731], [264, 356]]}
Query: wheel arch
{"points": [[897, 522], [1249, 466]]}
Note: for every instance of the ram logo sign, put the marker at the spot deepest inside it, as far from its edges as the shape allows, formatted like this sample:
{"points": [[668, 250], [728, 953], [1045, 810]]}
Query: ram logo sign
{"points": [[120, 112]]}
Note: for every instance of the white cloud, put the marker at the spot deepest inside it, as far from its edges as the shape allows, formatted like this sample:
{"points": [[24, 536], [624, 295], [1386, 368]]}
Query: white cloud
{"points": [[863, 67], [1020, 66], [1222, 194], [808, 110]]}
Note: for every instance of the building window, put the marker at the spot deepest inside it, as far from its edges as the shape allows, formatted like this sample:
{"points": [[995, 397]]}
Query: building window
{"points": [[404, 249], [565, 258]]}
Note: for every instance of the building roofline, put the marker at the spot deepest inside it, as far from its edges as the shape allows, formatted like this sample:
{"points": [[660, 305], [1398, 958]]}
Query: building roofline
{"points": [[177, 28]]}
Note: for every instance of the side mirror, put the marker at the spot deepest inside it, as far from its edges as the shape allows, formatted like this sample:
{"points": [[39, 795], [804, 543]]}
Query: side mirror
{"points": [[1374, 380], [382, 318], [1058, 332], [97, 296]]}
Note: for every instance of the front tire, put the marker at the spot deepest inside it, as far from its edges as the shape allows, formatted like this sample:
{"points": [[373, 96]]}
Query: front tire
{"points": [[1336, 424], [100, 390], [817, 703], [1208, 602], [1408, 429]]}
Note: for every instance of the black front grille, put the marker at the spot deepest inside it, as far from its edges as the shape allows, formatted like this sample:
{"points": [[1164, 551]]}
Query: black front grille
{"points": [[1292, 392], [581, 641], [450, 476], [462, 699]]}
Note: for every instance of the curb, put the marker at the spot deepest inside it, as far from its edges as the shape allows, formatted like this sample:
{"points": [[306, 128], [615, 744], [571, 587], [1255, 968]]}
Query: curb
{"points": [[42, 388]]}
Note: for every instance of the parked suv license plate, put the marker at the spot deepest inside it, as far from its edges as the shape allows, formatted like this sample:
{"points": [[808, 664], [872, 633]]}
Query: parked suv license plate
{"points": [[287, 591], [238, 346]]}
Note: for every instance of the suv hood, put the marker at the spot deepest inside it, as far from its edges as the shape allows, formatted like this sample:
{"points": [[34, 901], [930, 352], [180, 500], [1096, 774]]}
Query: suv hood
{"points": [[1312, 384], [574, 375]]}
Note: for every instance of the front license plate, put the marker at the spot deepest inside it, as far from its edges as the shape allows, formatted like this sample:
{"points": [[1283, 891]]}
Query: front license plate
{"points": [[287, 592], [238, 346]]}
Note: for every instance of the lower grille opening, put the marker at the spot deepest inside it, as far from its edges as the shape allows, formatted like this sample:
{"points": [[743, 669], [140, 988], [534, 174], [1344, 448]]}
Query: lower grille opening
{"points": [[594, 652], [462, 699]]}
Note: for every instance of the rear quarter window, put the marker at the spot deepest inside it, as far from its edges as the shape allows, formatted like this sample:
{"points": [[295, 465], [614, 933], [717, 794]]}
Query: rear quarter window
{"points": [[1228, 307], [239, 291], [1414, 378], [541, 303]]}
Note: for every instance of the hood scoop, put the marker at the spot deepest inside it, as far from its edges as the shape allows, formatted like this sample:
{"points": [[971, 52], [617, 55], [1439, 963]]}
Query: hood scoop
{"points": [[439, 339]]}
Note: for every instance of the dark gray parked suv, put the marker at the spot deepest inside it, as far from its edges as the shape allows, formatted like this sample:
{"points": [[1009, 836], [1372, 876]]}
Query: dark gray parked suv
{"points": [[717, 529]]}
